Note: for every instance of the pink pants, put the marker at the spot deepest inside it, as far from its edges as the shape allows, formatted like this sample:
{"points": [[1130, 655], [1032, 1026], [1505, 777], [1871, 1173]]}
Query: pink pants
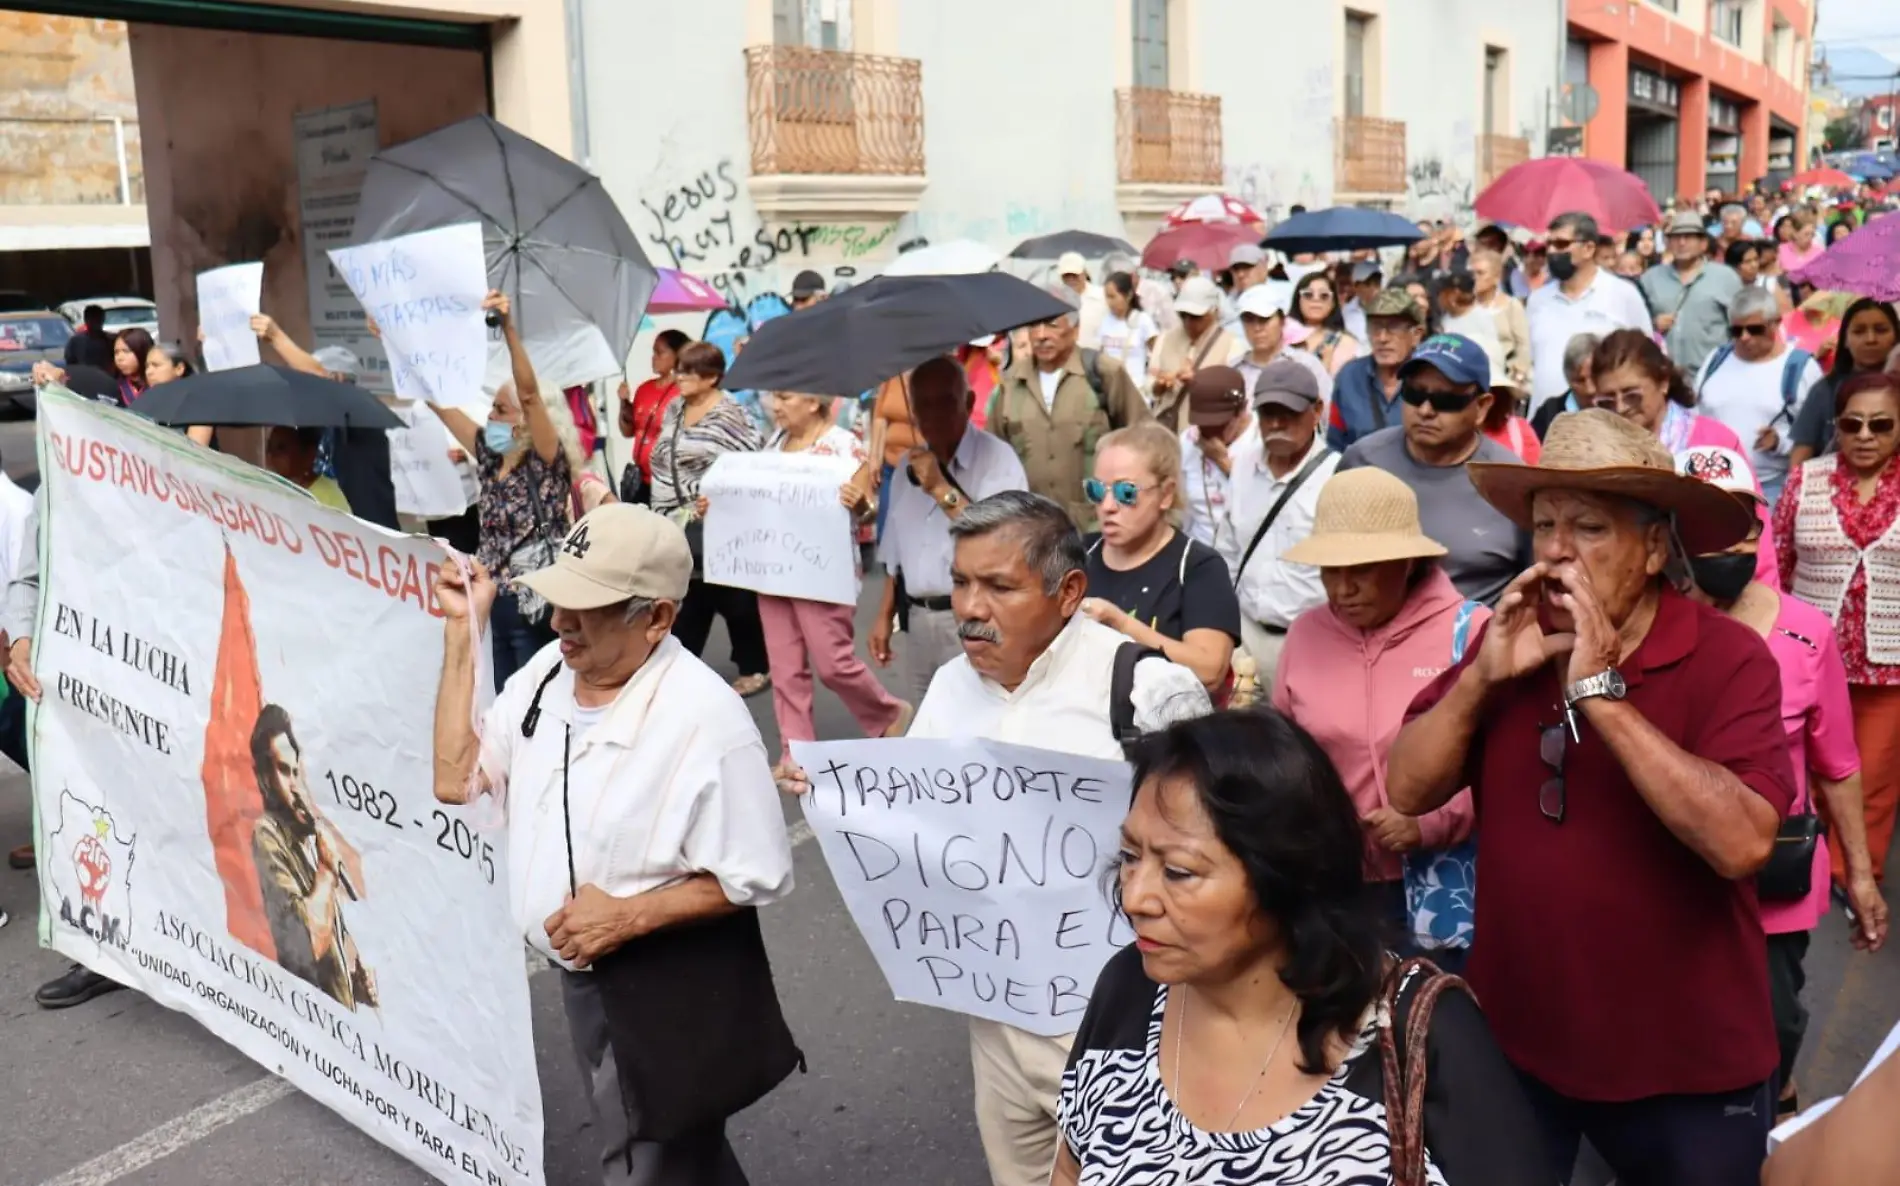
{"points": [[796, 628]]}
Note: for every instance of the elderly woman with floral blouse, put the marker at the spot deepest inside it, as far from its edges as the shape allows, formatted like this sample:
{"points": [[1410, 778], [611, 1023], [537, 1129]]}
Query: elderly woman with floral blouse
{"points": [[1838, 529]]}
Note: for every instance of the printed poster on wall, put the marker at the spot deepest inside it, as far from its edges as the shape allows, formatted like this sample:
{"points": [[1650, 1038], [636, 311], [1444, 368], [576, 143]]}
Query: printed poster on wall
{"points": [[233, 804], [333, 148], [974, 869]]}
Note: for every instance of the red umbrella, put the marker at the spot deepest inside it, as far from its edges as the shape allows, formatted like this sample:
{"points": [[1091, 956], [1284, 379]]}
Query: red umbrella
{"points": [[1824, 177], [1535, 192], [1206, 243], [1213, 208]]}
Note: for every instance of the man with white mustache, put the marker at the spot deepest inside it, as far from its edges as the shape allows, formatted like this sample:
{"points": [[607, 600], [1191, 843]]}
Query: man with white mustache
{"points": [[1275, 488], [1036, 672]]}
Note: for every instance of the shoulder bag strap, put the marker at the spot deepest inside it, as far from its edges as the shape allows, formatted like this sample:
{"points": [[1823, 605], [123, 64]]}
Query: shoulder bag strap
{"points": [[1404, 1060], [1716, 360], [1320, 454]]}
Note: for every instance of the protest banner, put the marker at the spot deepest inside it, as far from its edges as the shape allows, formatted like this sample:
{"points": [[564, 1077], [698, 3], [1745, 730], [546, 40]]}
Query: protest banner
{"points": [[774, 524], [425, 291], [428, 484], [974, 869], [228, 298], [232, 783], [333, 147]]}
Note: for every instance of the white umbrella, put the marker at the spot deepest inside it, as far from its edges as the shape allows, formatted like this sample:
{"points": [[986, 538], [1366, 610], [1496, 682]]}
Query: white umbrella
{"points": [[959, 257]]}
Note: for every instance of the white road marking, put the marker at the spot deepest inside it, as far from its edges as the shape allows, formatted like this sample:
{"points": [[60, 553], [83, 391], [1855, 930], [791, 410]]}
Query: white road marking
{"points": [[202, 1121], [173, 1135]]}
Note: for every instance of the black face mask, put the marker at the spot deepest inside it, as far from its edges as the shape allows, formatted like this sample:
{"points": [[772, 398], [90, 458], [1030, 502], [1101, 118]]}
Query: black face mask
{"points": [[1723, 577], [1562, 265]]}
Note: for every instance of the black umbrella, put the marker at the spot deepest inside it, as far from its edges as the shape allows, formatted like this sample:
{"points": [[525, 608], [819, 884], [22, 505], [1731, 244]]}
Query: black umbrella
{"points": [[851, 343], [264, 396], [1084, 243]]}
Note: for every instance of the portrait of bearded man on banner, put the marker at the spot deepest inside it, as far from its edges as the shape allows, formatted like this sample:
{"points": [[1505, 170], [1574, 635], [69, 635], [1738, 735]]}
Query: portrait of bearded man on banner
{"points": [[305, 869]]}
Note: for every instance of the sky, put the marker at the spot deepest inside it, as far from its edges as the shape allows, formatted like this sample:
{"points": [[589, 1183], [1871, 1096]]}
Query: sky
{"points": [[1865, 24]]}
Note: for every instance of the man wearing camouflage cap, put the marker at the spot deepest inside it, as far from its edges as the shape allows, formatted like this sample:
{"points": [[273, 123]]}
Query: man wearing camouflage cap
{"points": [[1366, 390]]}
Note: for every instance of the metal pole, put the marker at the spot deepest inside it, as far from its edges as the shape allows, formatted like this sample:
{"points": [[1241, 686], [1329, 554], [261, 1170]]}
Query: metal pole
{"points": [[125, 174]]}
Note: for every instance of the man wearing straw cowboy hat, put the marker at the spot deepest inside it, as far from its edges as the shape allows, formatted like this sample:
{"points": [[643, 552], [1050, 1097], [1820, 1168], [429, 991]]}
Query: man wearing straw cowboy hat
{"points": [[1624, 750]]}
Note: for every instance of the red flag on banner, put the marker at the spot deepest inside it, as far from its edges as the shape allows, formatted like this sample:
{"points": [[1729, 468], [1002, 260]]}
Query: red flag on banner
{"points": [[232, 799]]}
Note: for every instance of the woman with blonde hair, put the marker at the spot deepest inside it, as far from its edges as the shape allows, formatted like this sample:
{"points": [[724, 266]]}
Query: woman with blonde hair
{"points": [[1154, 583]]}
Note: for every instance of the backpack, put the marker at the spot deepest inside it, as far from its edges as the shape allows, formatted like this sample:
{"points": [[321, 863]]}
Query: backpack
{"points": [[1121, 693], [1792, 364]]}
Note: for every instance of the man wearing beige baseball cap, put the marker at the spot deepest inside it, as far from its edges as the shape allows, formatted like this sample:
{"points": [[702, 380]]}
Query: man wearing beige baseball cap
{"points": [[637, 791]]}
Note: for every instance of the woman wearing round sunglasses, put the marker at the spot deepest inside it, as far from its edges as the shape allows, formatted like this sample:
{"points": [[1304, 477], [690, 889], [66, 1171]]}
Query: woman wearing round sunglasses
{"points": [[1159, 586], [1840, 546], [1632, 377], [1866, 332]]}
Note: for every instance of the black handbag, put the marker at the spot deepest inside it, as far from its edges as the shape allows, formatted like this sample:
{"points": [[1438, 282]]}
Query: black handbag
{"points": [[695, 528], [1789, 874], [692, 1012]]}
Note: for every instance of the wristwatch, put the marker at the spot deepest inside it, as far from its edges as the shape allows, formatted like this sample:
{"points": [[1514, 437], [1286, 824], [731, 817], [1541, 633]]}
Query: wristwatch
{"points": [[1606, 683], [950, 500]]}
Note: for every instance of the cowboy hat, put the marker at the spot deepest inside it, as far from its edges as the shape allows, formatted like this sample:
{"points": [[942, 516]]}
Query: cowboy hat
{"points": [[1599, 452], [1363, 516]]}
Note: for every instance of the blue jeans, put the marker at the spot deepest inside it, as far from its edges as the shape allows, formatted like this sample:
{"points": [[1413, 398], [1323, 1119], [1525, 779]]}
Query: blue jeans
{"points": [[883, 498], [515, 639]]}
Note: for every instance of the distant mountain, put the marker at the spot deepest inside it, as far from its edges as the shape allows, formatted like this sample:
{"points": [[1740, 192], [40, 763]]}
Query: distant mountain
{"points": [[1856, 71]]}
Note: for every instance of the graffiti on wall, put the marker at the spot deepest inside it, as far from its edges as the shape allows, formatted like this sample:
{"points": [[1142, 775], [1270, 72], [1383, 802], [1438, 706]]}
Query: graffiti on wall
{"points": [[1430, 180], [704, 224]]}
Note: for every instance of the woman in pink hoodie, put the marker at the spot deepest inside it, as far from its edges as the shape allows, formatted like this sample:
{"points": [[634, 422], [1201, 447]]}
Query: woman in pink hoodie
{"points": [[1391, 623]]}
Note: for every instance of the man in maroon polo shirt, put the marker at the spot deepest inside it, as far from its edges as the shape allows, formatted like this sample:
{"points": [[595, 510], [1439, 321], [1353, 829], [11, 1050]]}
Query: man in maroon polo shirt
{"points": [[1624, 749]]}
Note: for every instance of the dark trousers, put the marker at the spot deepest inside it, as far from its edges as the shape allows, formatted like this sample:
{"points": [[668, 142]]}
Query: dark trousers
{"points": [[1786, 977], [703, 1159], [883, 499], [740, 609], [514, 638], [13, 728], [1664, 1140]]}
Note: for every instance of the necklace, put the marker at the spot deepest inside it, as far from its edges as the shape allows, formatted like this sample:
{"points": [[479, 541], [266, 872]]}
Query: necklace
{"points": [[1180, 1031]]}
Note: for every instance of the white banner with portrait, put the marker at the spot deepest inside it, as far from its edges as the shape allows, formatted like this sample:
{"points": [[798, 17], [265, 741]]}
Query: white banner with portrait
{"points": [[232, 781]]}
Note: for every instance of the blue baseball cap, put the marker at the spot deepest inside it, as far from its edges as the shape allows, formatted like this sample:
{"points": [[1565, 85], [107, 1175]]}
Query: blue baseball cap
{"points": [[1457, 358]]}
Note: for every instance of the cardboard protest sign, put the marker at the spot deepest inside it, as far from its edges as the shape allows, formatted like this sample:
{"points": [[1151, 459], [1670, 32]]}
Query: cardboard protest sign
{"points": [[428, 484], [425, 291], [774, 524], [975, 869], [228, 298], [234, 810]]}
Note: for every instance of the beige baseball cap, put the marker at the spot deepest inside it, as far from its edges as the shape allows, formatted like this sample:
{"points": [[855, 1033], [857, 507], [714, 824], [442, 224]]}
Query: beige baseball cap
{"points": [[616, 552]]}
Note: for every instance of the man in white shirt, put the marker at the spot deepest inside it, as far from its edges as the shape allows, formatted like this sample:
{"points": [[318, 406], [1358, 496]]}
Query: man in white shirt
{"points": [[1756, 383], [1034, 671], [1585, 299], [1092, 305], [1275, 491], [926, 496], [637, 791], [1367, 279], [1220, 423]]}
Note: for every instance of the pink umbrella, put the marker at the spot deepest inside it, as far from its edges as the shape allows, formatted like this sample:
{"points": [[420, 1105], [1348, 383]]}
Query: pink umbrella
{"points": [[682, 293], [1208, 244], [1535, 192], [1213, 208], [1866, 263]]}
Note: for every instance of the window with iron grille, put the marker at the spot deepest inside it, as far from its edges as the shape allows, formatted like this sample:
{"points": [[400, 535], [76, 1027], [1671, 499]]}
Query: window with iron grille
{"points": [[1725, 21], [1358, 35], [1151, 43]]}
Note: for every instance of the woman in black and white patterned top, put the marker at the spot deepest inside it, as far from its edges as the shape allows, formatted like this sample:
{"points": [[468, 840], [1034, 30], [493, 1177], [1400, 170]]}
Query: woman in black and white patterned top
{"points": [[1236, 1041]]}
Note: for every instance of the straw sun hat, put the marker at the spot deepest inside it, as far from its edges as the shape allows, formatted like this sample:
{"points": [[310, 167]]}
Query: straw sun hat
{"points": [[1364, 516], [1599, 452]]}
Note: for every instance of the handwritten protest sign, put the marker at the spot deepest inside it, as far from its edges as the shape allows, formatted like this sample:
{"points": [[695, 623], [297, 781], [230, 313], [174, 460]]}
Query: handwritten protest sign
{"points": [[228, 298], [425, 291], [233, 812], [974, 869], [428, 484], [774, 524]]}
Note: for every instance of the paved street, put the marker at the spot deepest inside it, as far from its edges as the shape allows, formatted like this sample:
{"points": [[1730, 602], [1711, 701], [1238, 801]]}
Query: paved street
{"points": [[121, 1090]]}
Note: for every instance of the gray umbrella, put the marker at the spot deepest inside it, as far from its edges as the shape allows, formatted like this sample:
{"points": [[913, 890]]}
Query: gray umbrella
{"points": [[557, 244]]}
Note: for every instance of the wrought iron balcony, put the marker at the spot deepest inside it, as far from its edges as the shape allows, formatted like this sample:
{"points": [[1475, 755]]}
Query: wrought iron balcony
{"points": [[1168, 137], [1368, 155], [819, 111], [1498, 153]]}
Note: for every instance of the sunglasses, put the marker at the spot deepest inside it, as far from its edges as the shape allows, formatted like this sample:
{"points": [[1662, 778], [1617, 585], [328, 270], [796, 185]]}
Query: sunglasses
{"points": [[1559, 244], [1449, 402], [1126, 493], [1613, 401], [1750, 331], [1551, 747], [1853, 426]]}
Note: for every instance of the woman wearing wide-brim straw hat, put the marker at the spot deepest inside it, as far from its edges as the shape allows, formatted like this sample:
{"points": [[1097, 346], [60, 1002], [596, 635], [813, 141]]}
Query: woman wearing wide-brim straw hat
{"points": [[1392, 621], [1627, 762]]}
